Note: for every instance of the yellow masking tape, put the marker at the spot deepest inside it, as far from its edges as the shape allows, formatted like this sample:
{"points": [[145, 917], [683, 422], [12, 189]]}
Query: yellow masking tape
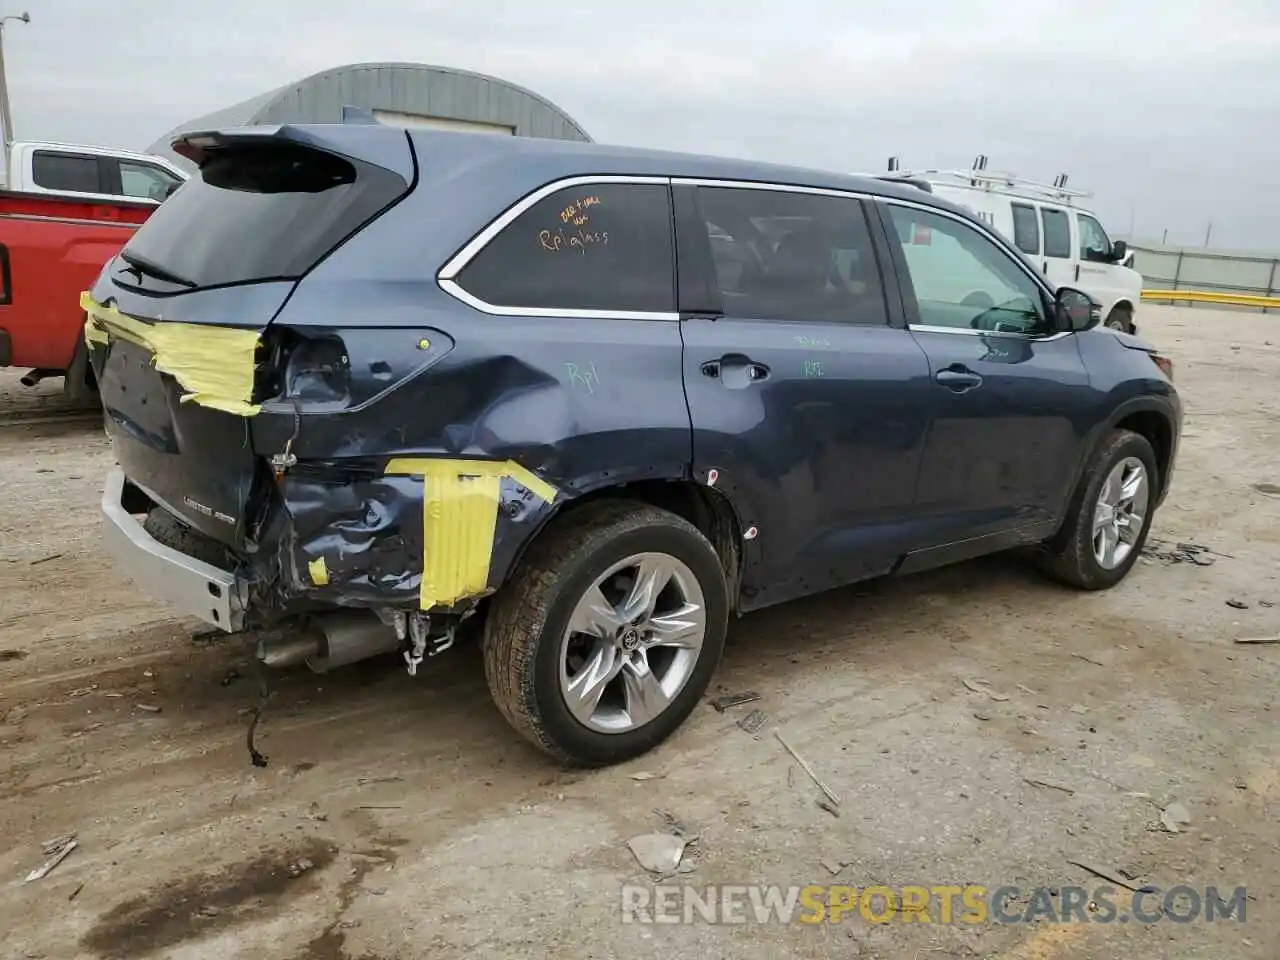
{"points": [[214, 365], [460, 500], [319, 572]]}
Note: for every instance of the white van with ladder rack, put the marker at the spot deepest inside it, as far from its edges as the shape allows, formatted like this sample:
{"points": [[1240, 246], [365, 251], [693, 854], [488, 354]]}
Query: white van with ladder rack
{"points": [[1047, 223]]}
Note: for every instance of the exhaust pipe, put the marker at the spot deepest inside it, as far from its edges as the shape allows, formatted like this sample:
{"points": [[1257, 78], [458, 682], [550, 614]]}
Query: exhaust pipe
{"points": [[332, 640], [32, 377]]}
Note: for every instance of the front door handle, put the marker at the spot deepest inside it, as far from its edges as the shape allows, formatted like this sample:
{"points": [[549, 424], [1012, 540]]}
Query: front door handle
{"points": [[958, 378]]}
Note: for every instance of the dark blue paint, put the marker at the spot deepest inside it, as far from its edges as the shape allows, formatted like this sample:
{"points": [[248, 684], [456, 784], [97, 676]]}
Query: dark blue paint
{"points": [[838, 443]]}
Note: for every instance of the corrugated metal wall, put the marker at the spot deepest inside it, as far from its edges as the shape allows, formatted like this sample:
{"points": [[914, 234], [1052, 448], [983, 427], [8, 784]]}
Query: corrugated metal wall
{"points": [[405, 88], [426, 91], [1219, 271]]}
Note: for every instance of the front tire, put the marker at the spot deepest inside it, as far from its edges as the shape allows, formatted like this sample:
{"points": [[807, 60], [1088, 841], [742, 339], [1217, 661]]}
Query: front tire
{"points": [[602, 642], [1110, 515], [1121, 318]]}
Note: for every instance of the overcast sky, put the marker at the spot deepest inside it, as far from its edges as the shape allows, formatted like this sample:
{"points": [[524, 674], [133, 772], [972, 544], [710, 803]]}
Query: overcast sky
{"points": [[1169, 110]]}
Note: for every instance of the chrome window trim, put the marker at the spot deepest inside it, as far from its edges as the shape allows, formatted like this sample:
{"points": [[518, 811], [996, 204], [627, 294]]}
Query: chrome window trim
{"points": [[446, 277], [1004, 334]]}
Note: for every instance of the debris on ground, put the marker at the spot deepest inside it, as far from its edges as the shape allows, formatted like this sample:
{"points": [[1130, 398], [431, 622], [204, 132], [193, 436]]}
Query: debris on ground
{"points": [[1270, 489], [1275, 639], [76, 892], [52, 556], [57, 851], [364, 781], [1111, 877], [982, 716], [1049, 786], [1238, 604], [646, 775], [804, 765], [231, 677], [980, 687], [833, 867], [673, 824], [1194, 553], [828, 806], [148, 707], [299, 867], [1174, 817], [1081, 656], [753, 721], [734, 700], [658, 852]]}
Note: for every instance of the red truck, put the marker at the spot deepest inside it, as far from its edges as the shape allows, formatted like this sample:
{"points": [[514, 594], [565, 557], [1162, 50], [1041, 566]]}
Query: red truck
{"points": [[52, 248]]}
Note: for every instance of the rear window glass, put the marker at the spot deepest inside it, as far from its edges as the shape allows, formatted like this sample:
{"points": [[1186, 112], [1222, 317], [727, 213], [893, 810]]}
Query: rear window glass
{"points": [[261, 213], [1026, 229]]}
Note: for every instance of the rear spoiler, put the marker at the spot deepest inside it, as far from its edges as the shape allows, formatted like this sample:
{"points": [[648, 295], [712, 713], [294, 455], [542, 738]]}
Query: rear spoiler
{"points": [[374, 143], [924, 185]]}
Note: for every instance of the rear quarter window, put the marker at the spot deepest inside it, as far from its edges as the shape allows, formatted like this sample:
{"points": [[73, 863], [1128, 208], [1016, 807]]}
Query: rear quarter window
{"points": [[600, 247]]}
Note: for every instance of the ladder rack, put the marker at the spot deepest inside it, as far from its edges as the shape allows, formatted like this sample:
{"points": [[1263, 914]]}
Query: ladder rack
{"points": [[993, 180]]}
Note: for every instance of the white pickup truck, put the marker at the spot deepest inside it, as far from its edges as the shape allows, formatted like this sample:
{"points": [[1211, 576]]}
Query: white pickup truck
{"points": [[89, 173]]}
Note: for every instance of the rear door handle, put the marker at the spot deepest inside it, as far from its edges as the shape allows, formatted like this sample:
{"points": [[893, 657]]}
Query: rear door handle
{"points": [[958, 378], [735, 370]]}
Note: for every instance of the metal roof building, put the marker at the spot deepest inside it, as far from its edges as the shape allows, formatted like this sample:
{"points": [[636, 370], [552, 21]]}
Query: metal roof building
{"points": [[400, 94]]}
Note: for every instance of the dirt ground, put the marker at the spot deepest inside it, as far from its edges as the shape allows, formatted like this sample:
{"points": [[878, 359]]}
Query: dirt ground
{"points": [[419, 826]]}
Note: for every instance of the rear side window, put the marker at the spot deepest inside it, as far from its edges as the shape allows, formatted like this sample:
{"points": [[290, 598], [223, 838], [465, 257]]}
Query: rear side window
{"points": [[600, 246], [1057, 233], [792, 256], [1026, 229], [261, 212], [65, 171]]}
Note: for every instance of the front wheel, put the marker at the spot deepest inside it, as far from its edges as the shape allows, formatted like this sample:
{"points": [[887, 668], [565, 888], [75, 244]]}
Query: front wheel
{"points": [[602, 642], [1110, 515], [1121, 318]]}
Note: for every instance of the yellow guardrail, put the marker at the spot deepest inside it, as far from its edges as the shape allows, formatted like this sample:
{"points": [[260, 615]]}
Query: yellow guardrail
{"points": [[1209, 296]]}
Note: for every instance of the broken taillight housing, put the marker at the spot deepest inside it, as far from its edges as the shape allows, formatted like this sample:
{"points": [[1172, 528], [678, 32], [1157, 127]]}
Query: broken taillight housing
{"points": [[1164, 363]]}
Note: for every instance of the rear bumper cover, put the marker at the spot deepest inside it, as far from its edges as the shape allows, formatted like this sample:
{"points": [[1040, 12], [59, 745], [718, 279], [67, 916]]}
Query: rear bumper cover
{"points": [[193, 587]]}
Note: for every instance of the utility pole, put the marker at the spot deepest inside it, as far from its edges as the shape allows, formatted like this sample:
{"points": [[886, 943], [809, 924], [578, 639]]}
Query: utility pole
{"points": [[1208, 233], [6, 117]]}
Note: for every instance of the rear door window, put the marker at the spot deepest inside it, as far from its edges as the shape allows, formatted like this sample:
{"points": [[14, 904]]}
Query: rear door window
{"points": [[602, 247], [72, 172], [1057, 233], [260, 212], [792, 256], [1026, 229]]}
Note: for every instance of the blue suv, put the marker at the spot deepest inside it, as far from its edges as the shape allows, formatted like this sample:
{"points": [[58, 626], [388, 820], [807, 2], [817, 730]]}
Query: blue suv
{"points": [[592, 402]]}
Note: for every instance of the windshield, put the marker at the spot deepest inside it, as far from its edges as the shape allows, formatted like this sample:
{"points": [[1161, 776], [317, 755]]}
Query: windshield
{"points": [[260, 212]]}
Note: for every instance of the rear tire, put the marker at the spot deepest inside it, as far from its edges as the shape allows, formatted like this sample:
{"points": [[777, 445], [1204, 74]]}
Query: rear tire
{"points": [[1073, 557], [532, 658], [1121, 318]]}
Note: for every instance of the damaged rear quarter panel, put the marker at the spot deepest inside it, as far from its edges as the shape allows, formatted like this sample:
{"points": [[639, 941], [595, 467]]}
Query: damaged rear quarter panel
{"points": [[526, 413]]}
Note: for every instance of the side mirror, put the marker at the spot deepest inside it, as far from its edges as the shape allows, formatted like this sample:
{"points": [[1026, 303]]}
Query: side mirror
{"points": [[1076, 309], [1119, 250]]}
